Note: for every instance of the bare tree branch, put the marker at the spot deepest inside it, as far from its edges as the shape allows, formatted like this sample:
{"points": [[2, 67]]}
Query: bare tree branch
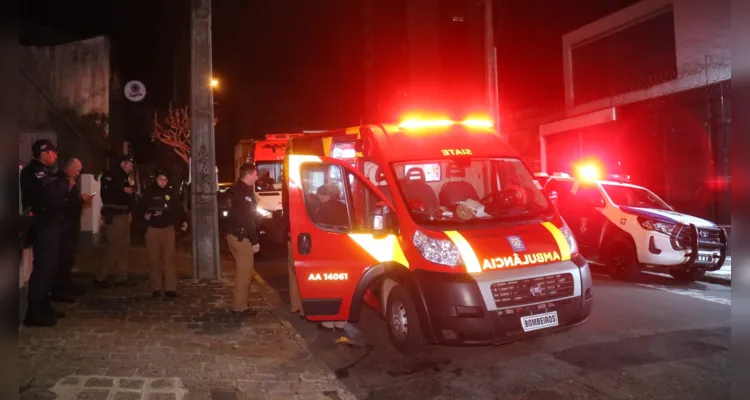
{"points": [[174, 131]]}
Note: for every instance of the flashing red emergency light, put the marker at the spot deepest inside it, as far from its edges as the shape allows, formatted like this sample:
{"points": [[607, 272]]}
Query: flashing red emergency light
{"points": [[589, 172]]}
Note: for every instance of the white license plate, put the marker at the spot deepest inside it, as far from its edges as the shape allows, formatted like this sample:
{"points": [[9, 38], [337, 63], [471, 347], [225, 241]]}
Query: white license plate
{"points": [[705, 258], [539, 321]]}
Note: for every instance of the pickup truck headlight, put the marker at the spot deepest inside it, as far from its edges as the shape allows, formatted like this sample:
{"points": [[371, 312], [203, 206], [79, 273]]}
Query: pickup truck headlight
{"points": [[264, 213], [655, 225], [438, 251]]}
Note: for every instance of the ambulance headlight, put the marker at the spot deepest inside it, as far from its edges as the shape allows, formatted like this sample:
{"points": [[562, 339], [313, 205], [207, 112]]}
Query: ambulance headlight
{"points": [[568, 234], [439, 251], [264, 213]]}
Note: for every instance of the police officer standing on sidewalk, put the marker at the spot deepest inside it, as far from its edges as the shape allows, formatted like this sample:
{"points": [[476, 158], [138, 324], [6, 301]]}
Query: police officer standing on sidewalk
{"points": [[162, 210], [63, 288], [44, 193], [118, 203], [242, 238]]}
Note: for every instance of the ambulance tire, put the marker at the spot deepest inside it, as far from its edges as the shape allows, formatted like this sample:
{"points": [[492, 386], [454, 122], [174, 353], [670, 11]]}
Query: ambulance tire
{"points": [[404, 328], [622, 260], [687, 276]]}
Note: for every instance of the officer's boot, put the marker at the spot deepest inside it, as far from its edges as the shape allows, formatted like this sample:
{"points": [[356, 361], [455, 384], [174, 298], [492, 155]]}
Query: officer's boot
{"points": [[36, 317], [49, 310]]}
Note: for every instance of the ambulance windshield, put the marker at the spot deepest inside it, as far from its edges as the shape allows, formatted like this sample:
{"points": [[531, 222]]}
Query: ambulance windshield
{"points": [[634, 197], [466, 190], [270, 176]]}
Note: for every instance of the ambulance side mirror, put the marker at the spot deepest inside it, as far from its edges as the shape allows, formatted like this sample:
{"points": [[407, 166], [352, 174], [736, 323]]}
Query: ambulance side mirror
{"points": [[553, 198], [383, 222]]}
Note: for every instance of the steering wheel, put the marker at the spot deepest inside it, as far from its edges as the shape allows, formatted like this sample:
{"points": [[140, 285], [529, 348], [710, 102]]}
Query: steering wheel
{"points": [[507, 197]]}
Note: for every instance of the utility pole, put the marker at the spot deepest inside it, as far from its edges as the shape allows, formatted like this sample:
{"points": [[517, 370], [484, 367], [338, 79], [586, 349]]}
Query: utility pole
{"points": [[203, 158], [491, 60]]}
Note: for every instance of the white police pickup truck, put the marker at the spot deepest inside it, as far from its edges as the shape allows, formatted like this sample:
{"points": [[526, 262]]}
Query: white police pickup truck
{"points": [[628, 228]]}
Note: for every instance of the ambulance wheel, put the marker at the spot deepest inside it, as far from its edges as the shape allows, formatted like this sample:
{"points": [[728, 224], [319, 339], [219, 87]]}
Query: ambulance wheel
{"points": [[623, 261], [404, 329], [687, 276]]}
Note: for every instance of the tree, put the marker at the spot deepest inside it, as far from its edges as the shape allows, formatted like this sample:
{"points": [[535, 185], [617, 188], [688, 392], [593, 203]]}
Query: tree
{"points": [[174, 131]]}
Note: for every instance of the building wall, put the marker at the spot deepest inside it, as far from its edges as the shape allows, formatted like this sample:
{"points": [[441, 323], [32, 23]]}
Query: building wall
{"points": [[63, 88], [74, 75], [701, 45]]}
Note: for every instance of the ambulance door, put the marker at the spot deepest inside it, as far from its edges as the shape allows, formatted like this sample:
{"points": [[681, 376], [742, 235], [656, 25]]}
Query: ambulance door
{"points": [[332, 233]]}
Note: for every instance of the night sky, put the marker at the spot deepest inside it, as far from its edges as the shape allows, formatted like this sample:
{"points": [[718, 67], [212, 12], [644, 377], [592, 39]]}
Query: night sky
{"points": [[279, 60]]}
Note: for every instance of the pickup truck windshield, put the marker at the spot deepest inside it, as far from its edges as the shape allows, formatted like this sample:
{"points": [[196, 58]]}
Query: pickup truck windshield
{"points": [[270, 176], [466, 191], [634, 197]]}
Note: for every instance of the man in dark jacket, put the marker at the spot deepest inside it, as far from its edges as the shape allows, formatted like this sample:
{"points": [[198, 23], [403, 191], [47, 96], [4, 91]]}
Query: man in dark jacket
{"points": [[243, 235], [44, 194], [118, 202], [161, 208], [63, 288]]}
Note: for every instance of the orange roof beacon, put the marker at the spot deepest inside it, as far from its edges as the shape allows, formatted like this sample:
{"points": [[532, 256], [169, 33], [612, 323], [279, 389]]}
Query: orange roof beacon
{"points": [[435, 224]]}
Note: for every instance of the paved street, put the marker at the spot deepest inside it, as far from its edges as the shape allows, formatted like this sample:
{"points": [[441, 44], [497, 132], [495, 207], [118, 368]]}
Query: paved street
{"points": [[650, 340]]}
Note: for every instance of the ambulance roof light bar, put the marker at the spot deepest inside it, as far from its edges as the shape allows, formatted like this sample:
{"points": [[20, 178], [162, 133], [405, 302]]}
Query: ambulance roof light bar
{"points": [[416, 123]]}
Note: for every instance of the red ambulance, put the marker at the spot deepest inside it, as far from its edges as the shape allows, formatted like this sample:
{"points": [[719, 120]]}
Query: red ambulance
{"points": [[435, 224]]}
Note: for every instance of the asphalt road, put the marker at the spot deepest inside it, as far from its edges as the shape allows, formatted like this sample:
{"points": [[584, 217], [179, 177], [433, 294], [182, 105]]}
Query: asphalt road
{"points": [[654, 339]]}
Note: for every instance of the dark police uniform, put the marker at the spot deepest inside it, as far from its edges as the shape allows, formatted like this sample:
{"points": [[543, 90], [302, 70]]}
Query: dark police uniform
{"points": [[165, 211], [242, 236], [44, 193], [117, 206], [71, 227]]}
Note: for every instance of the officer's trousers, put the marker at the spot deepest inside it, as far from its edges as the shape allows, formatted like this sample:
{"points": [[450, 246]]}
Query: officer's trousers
{"points": [[117, 254], [68, 246], [160, 243], [46, 254], [244, 263]]}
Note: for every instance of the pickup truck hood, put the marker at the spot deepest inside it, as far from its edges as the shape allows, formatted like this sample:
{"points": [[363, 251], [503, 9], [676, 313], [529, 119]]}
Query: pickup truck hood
{"points": [[668, 216]]}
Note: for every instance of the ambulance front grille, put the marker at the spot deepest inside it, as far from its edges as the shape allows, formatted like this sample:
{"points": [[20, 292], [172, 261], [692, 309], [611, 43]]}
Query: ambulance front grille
{"points": [[532, 290]]}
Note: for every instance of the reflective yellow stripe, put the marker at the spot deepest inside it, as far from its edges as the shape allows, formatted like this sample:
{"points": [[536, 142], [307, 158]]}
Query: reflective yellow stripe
{"points": [[467, 253], [560, 239], [295, 161], [385, 249]]}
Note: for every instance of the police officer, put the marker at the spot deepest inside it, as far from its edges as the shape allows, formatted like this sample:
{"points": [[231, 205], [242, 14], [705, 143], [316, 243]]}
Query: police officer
{"points": [[118, 203], [63, 288], [162, 210], [242, 238], [44, 193]]}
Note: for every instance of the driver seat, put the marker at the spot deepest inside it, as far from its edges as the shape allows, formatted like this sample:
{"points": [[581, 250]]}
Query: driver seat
{"points": [[382, 184], [416, 187], [454, 192]]}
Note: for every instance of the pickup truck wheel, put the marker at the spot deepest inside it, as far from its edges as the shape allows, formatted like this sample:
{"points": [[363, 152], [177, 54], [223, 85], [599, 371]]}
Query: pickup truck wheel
{"points": [[623, 261], [687, 276], [404, 329]]}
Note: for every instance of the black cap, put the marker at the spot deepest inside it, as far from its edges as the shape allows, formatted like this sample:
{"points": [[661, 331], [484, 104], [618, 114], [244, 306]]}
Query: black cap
{"points": [[127, 158], [43, 145], [159, 172]]}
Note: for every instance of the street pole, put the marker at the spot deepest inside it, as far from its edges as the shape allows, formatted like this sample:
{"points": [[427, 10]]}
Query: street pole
{"points": [[203, 159], [491, 60]]}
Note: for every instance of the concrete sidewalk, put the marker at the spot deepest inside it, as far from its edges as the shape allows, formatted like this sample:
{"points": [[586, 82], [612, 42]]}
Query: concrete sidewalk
{"points": [[122, 344]]}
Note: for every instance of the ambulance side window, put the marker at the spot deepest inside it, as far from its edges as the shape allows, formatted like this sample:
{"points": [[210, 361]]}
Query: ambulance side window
{"points": [[363, 201], [324, 194]]}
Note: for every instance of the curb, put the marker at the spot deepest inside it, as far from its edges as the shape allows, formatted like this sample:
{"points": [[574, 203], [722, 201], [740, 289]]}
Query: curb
{"points": [[273, 299], [717, 280]]}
